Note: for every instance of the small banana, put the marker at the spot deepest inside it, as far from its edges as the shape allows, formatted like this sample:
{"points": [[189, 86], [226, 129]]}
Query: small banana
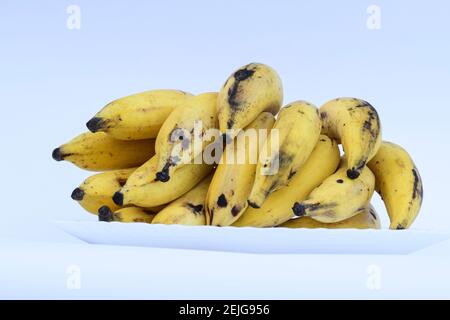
{"points": [[233, 178], [298, 125], [399, 183], [188, 209], [367, 218], [277, 209], [143, 190], [252, 89], [355, 124], [129, 214], [100, 152], [138, 116], [175, 144], [338, 197], [97, 190]]}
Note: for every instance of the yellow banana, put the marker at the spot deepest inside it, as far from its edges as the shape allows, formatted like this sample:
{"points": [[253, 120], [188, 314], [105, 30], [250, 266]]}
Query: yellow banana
{"points": [[138, 116], [298, 126], [252, 89], [100, 152], [175, 142], [277, 209], [143, 190], [233, 178], [367, 218], [338, 197], [129, 214], [355, 124], [399, 184], [188, 209], [97, 190]]}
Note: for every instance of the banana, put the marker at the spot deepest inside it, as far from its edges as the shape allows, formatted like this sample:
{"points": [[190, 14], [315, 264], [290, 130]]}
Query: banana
{"points": [[233, 178], [367, 218], [355, 124], [399, 183], [129, 214], [143, 190], [138, 116], [97, 190], [298, 126], [175, 144], [100, 152], [252, 89], [338, 197], [322, 162], [188, 209]]}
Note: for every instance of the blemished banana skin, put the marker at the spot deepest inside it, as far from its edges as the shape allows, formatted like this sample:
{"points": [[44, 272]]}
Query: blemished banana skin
{"points": [[399, 183], [175, 141], [365, 219], [143, 190], [338, 197], [355, 124], [187, 210], [233, 180], [129, 214], [249, 91], [277, 208], [100, 152], [137, 116], [97, 190], [298, 125]]}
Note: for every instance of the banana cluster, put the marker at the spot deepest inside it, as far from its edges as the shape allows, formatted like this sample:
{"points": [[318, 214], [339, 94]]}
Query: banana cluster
{"points": [[237, 157]]}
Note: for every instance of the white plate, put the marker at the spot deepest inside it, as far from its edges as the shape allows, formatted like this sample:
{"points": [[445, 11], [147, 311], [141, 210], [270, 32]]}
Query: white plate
{"points": [[254, 240]]}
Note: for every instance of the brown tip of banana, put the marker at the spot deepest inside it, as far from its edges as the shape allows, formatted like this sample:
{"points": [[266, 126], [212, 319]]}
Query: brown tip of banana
{"points": [[77, 194], [162, 176], [105, 214], [57, 154], [95, 124], [353, 174], [299, 209], [118, 198], [253, 204]]}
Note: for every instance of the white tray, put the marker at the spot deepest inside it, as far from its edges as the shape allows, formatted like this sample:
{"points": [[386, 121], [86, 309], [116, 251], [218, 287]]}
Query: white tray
{"points": [[254, 240]]}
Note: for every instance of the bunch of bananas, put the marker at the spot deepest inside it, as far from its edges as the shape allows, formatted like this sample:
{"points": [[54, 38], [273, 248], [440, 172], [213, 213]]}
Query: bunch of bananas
{"points": [[152, 149]]}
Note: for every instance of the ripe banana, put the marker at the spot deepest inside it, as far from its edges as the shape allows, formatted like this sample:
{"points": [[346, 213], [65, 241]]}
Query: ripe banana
{"points": [[399, 184], [355, 124], [298, 126], [188, 209], [129, 214], [143, 190], [175, 144], [252, 89], [234, 177], [100, 152], [338, 197], [367, 218], [277, 209], [138, 116], [97, 190]]}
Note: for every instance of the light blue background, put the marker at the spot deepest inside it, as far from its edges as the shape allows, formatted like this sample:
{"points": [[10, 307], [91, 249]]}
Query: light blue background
{"points": [[54, 79]]}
